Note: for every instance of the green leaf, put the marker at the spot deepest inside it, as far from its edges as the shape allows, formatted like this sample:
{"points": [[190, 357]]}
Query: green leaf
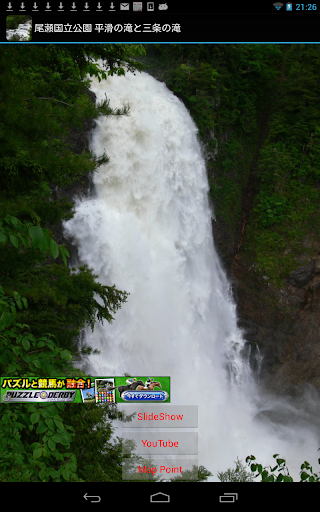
{"points": [[59, 425], [14, 220], [304, 476], [6, 320], [51, 444], [33, 446], [2, 322], [57, 438], [64, 253], [66, 474], [65, 354], [72, 466], [65, 439], [14, 241], [64, 259], [3, 238], [17, 350], [37, 453], [50, 423], [38, 238], [35, 416], [54, 248], [26, 358], [25, 303], [43, 473], [42, 427], [23, 240], [26, 344], [19, 304]]}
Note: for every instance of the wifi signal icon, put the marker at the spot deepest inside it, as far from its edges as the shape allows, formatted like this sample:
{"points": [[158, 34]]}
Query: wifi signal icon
{"points": [[278, 5]]}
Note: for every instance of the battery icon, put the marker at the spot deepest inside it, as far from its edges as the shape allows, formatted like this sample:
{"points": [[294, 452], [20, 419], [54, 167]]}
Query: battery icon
{"points": [[228, 497]]}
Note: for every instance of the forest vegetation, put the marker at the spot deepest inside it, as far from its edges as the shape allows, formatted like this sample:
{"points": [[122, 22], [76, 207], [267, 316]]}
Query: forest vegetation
{"points": [[258, 104]]}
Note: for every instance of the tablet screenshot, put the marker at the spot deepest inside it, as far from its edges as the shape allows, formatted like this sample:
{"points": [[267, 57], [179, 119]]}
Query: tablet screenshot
{"points": [[159, 251]]}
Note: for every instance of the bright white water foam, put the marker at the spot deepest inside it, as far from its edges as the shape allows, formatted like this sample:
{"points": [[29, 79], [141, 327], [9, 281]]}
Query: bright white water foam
{"points": [[22, 31], [147, 229]]}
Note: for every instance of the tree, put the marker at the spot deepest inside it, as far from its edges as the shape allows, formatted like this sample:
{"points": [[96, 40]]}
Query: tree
{"points": [[44, 93], [239, 474], [280, 472]]}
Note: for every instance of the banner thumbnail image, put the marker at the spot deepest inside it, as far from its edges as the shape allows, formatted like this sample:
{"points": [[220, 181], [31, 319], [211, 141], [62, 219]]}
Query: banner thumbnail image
{"points": [[99, 390]]}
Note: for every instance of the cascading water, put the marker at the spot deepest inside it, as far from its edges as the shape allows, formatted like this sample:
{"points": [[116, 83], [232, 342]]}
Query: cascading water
{"points": [[147, 229], [22, 31]]}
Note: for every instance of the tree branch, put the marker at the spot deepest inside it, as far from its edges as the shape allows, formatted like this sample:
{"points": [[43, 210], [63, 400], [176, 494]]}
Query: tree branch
{"points": [[55, 99]]}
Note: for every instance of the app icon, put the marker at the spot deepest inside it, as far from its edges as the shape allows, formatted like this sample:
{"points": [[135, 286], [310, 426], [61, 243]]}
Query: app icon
{"points": [[137, 6]]}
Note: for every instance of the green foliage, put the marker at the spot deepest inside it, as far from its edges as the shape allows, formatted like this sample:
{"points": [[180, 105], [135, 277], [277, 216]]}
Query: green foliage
{"points": [[44, 460], [280, 472], [35, 441], [21, 354], [196, 87], [271, 209], [227, 89], [287, 206], [14, 21], [23, 233], [44, 304], [8, 308], [239, 474], [196, 474], [44, 95]]}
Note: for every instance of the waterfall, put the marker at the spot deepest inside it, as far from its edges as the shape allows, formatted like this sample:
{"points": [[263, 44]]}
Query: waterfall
{"points": [[22, 31], [147, 229]]}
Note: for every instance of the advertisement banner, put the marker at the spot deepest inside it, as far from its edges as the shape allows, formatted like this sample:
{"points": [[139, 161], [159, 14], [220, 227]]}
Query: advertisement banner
{"points": [[99, 390]]}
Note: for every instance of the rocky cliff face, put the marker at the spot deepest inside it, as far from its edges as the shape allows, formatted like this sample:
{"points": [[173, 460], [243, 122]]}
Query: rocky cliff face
{"points": [[284, 323]]}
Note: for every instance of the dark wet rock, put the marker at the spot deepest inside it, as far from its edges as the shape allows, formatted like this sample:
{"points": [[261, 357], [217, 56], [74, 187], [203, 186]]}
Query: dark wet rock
{"points": [[302, 275], [283, 323]]}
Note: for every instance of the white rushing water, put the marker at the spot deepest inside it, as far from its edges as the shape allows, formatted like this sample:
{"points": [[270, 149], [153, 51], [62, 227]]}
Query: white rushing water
{"points": [[147, 229], [22, 31]]}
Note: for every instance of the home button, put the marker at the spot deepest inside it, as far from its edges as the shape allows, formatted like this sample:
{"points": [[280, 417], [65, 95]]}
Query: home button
{"points": [[160, 497]]}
